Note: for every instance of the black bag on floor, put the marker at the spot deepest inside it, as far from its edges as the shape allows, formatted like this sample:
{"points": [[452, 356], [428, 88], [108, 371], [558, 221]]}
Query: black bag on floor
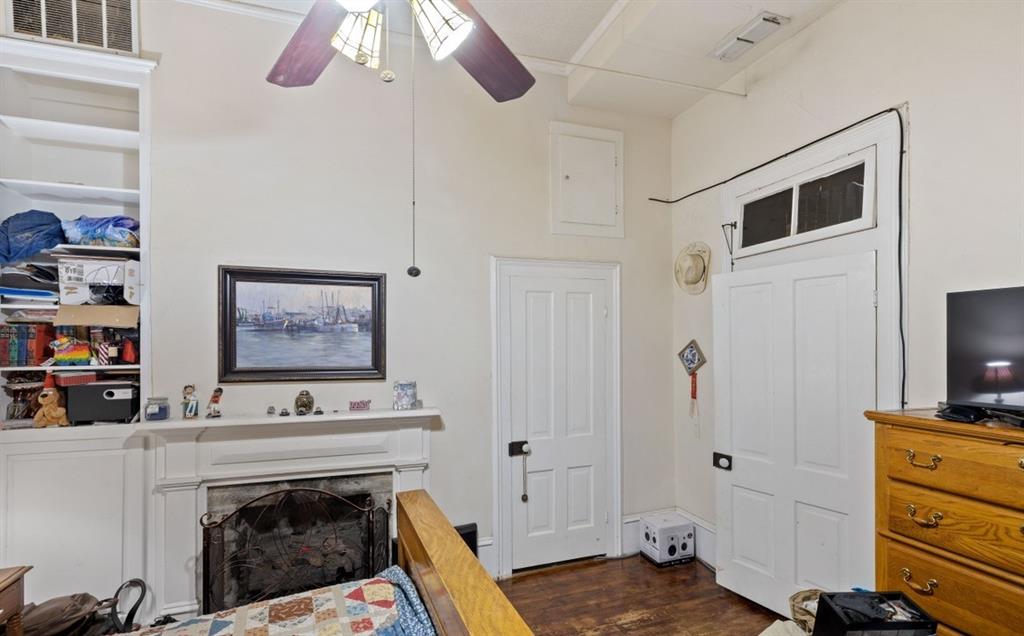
{"points": [[83, 614]]}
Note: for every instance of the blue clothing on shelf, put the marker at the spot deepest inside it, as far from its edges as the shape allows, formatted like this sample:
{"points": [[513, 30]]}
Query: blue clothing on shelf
{"points": [[26, 234]]}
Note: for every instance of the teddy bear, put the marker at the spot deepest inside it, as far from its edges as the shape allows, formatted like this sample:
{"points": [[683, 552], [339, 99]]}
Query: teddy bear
{"points": [[50, 412]]}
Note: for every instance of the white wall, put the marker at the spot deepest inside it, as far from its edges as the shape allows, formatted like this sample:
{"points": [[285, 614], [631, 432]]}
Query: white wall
{"points": [[252, 174], [960, 65]]}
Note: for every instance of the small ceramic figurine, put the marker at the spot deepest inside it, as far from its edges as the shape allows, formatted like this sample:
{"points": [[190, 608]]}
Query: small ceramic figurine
{"points": [[189, 402], [213, 406], [271, 410], [304, 403], [318, 411], [50, 412], [283, 412]]}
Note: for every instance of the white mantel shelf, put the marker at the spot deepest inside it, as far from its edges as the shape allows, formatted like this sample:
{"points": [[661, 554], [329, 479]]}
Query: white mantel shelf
{"points": [[412, 417]]}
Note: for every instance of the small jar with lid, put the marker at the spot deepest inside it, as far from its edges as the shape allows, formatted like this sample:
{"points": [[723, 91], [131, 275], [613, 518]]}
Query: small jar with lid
{"points": [[157, 408]]}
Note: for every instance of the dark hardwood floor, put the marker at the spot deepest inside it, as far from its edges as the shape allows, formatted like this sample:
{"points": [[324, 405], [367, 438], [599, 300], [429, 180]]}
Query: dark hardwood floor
{"points": [[631, 596]]}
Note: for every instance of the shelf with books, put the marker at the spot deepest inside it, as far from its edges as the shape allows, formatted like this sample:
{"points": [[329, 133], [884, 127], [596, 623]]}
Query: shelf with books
{"points": [[83, 151]]}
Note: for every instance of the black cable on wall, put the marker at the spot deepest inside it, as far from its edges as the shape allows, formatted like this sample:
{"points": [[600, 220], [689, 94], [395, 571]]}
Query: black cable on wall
{"points": [[899, 221]]}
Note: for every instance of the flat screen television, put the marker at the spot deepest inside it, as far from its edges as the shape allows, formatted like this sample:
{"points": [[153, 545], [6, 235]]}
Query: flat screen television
{"points": [[985, 349]]}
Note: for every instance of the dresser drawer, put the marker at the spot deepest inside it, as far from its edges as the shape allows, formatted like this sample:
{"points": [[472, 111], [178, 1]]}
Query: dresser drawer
{"points": [[955, 595], [989, 471], [970, 528]]}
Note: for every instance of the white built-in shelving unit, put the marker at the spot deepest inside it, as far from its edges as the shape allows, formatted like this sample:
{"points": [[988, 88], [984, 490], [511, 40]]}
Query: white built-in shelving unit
{"points": [[74, 140]]}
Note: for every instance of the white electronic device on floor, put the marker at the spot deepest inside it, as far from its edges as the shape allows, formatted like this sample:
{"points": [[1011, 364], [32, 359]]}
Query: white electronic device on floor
{"points": [[667, 539]]}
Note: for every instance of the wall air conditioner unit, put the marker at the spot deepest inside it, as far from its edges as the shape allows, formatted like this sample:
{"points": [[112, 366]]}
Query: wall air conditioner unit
{"points": [[744, 38], [99, 25]]}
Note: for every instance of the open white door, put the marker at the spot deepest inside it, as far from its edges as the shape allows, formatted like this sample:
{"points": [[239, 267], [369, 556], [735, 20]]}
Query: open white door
{"points": [[794, 362]]}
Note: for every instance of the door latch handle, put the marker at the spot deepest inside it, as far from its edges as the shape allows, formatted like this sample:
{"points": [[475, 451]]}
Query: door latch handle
{"points": [[516, 449], [721, 461]]}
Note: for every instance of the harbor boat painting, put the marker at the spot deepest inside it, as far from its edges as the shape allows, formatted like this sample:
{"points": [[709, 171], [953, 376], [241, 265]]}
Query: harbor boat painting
{"points": [[291, 325]]}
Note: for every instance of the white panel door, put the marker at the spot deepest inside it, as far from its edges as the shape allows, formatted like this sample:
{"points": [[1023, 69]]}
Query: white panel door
{"points": [[794, 363], [558, 373]]}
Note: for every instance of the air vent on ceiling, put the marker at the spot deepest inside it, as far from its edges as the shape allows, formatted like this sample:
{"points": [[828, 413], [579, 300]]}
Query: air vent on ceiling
{"points": [[744, 39], [96, 24]]}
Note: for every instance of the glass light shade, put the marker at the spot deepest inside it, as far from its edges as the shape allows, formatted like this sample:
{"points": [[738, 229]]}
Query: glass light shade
{"points": [[358, 6], [443, 26], [358, 38]]}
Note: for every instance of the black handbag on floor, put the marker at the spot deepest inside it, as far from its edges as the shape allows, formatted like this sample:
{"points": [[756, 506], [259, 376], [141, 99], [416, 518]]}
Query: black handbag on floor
{"points": [[83, 614]]}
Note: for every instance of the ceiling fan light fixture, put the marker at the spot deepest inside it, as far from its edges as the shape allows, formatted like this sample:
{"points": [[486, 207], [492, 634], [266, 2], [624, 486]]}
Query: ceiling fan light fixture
{"points": [[359, 36], [358, 6], [442, 24]]}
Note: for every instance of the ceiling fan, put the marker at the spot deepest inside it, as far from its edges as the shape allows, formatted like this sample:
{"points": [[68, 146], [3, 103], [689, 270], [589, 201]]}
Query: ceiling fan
{"points": [[353, 27]]}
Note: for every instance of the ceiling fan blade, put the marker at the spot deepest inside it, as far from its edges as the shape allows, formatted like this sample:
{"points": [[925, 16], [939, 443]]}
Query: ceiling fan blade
{"points": [[486, 58], [309, 51]]}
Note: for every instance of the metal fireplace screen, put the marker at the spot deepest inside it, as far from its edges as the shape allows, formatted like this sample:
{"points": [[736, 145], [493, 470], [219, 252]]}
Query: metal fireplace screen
{"points": [[290, 541]]}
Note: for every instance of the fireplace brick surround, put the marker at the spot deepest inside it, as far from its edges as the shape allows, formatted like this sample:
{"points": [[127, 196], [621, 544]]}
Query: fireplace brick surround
{"points": [[189, 458]]}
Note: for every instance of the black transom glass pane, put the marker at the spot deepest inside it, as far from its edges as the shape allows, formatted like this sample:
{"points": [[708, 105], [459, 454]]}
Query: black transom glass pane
{"points": [[768, 219], [831, 200]]}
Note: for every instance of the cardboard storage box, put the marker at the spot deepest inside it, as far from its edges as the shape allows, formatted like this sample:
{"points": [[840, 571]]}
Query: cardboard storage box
{"points": [[76, 277], [117, 316]]}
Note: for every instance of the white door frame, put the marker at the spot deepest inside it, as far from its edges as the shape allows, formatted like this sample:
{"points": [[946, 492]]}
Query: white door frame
{"points": [[501, 522]]}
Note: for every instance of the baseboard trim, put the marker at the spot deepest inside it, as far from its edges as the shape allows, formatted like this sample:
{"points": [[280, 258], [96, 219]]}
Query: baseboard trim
{"points": [[487, 552]]}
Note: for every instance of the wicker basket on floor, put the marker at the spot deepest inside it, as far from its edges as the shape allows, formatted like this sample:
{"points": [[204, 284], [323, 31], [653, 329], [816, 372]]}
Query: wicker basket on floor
{"points": [[801, 615]]}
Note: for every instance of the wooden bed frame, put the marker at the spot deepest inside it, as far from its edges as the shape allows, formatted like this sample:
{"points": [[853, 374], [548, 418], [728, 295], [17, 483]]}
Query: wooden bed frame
{"points": [[458, 592]]}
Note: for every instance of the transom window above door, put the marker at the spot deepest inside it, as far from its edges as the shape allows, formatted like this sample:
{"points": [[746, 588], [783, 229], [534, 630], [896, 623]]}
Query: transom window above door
{"points": [[830, 200]]}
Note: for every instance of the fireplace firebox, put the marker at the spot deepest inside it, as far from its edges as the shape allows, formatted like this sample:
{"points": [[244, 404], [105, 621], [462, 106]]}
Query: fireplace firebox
{"points": [[291, 540]]}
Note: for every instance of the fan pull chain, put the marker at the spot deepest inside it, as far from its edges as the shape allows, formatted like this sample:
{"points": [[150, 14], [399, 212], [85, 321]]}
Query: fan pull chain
{"points": [[413, 270]]}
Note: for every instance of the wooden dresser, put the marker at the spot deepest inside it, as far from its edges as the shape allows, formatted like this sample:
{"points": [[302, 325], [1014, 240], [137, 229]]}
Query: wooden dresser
{"points": [[949, 516], [12, 598]]}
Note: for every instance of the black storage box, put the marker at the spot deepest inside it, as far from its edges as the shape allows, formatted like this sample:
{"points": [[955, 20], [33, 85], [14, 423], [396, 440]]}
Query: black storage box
{"points": [[105, 401], [871, 614]]}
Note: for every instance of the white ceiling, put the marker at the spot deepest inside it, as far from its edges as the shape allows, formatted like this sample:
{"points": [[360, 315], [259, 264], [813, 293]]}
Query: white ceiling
{"points": [[547, 28], [671, 39], [665, 39]]}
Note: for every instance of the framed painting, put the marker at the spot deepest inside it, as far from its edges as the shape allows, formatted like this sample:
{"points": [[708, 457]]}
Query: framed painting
{"points": [[283, 325]]}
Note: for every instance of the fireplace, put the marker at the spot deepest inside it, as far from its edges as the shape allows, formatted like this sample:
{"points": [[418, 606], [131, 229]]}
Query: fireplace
{"points": [[273, 539]]}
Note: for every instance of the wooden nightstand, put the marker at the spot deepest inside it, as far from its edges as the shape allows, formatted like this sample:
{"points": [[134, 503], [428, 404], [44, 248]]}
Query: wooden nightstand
{"points": [[12, 598]]}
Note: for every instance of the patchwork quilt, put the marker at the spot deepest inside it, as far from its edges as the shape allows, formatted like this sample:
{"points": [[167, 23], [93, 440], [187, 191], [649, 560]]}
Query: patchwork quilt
{"points": [[386, 605]]}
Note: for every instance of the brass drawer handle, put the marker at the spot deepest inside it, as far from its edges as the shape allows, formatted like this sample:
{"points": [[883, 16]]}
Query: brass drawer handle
{"points": [[1020, 463], [932, 466], [931, 522], [927, 589]]}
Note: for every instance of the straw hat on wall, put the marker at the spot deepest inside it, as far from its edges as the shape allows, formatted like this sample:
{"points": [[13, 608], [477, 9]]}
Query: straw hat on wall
{"points": [[692, 266]]}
